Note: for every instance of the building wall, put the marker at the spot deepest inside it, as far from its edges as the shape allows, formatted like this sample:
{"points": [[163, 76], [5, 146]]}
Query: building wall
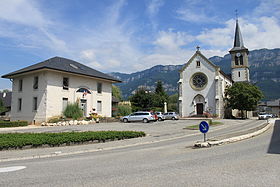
{"points": [[56, 93], [187, 103], [224, 82], [50, 95], [244, 72], [27, 94]]}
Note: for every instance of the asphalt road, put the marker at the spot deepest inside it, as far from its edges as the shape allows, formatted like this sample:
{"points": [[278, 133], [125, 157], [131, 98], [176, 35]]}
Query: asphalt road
{"points": [[252, 162]]}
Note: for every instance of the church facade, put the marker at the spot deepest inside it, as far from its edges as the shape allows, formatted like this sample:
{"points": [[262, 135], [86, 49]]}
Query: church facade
{"points": [[202, 84]]}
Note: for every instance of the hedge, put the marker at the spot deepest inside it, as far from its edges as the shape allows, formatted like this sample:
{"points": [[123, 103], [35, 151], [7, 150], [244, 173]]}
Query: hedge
{"points": [[19, 140], [4, 124]]}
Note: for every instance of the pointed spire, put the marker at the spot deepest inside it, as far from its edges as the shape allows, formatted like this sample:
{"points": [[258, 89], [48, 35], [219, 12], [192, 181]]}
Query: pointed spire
{"points": [[238, 41]]}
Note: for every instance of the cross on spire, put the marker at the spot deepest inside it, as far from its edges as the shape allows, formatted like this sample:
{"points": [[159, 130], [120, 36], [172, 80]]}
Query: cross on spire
{"points": [[236, 14], [197, 48]]}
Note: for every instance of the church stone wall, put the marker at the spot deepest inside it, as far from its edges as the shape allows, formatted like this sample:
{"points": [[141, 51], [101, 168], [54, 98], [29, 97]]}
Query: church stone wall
{"points": [[188, 105]]}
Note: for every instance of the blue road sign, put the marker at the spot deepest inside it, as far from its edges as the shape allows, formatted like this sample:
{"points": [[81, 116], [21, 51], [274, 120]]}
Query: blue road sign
{"points": [[203, 127]]}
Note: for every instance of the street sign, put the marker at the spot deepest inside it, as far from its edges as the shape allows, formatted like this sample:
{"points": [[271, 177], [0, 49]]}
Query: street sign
{"points": [[203, 127]]}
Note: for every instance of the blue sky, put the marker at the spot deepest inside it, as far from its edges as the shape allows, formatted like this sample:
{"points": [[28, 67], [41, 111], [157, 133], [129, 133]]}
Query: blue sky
{"points": [[129, 35]]}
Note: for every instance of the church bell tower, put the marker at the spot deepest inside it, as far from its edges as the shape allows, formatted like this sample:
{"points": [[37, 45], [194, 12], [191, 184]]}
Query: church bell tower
{"points": [[239, 58]]}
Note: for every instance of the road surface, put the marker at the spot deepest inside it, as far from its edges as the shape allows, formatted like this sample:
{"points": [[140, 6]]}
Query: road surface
{"points": [[252, 162]]}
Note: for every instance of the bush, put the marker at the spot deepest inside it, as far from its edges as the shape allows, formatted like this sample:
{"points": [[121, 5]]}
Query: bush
{"points": [[124, 110], [73, 111], [54, 119], [19, 140], [4, 124]]}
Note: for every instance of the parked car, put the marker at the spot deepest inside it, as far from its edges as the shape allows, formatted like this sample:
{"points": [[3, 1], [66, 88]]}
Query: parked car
{"points": [[171, 115], [144, 116], [263, 115], [160, 116]]}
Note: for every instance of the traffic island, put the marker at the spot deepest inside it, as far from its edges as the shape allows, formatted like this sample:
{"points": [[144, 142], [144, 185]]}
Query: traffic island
{"points": [[210, 143]]}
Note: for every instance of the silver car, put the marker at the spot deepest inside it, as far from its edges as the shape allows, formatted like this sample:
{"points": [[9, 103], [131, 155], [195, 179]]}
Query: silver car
{"points": [[146, 117], [171, 115]]}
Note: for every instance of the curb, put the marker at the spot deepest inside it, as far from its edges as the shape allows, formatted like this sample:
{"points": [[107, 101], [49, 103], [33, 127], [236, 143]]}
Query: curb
{"points": [[233, 139]]}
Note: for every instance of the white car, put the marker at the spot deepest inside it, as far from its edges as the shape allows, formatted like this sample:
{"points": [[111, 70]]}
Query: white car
{"points": [[146, 117], [171, 115], [263, 115]]}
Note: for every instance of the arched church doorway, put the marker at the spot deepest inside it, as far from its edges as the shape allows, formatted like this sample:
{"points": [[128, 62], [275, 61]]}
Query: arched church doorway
{"points": [[199, 103], [199, 108]]}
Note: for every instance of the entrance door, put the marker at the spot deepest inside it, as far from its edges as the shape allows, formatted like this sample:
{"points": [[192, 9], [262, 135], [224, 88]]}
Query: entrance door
{"points": [[199, 108], [83, 105]]}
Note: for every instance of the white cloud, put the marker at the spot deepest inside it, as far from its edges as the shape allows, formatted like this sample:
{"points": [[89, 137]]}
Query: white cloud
{"points": [[154, 6], [170, 41], [195, 11], [271, 7], [23, 22], [260, 33], [218, 37], [22, 12]]}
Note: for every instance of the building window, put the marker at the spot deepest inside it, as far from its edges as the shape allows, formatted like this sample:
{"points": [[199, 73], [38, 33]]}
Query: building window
{"points": [[241, 60], [236, 60], [65, 83], [99, 87], [64, 103], [19, 104], [198, 64], [35, 83], [99, 106], [20, 85], [238, 73], [83, 90], [35, 103]]}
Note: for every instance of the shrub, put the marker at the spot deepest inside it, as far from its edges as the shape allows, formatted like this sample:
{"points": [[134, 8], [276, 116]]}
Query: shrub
{"points": [[124, 110], [54, 119], [19, 140], [4, 124], [73, 111]]}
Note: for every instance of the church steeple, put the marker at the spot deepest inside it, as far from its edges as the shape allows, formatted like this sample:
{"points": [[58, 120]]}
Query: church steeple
{"points": [[238, 41], [239, 57]]}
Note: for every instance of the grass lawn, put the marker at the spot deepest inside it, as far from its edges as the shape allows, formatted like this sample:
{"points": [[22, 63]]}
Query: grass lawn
{"points": [[21, 140], [196, 127]]}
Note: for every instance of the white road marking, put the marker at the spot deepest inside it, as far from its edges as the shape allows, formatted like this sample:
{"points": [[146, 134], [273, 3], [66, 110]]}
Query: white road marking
{"points": [[10, 169]]}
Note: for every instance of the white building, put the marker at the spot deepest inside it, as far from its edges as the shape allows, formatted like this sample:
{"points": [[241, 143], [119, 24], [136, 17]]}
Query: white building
{"points": [[202, 84], [42, 91]]}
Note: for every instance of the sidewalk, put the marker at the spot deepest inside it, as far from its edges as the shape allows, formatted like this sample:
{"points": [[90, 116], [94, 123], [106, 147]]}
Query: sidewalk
{"points": [[156, 132]]}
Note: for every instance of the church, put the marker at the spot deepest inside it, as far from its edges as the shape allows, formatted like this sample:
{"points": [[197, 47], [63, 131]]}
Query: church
{"points": [[202, 84]]}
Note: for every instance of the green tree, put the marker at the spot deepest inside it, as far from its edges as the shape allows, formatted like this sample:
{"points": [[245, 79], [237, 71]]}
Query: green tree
{"points": [[5, 91], [124, 110], [141, 100], [2, 107], [173, 103], [160, 96], [243, 96], [116, 92]]}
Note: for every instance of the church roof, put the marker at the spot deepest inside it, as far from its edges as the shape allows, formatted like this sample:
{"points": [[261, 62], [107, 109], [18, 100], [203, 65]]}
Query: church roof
{"points": [[198, 53], [238, 40], [64, 65]]}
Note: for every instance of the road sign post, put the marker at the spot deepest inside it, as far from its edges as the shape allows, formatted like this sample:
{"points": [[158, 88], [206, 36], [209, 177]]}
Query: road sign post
{"points": [[204, 127]]}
